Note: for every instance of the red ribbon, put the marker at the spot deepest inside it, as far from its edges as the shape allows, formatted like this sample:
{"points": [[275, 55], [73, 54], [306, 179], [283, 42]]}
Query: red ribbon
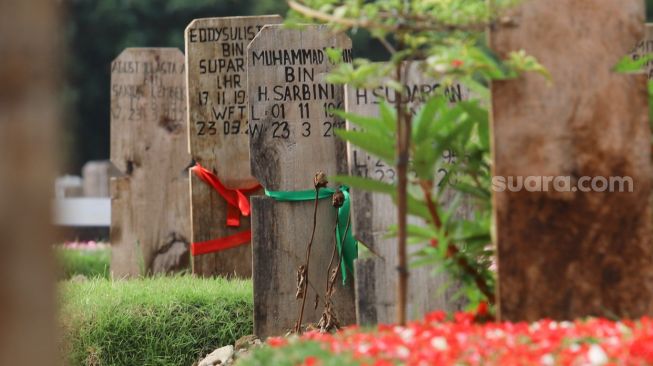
{"points": [[216, 245], [237, 205]]}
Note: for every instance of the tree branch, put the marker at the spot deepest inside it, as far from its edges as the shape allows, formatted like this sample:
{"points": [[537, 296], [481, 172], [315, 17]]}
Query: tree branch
{"points": [[425, 25]]}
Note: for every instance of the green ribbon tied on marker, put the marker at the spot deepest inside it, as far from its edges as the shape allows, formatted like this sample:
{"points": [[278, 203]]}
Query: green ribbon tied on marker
{"points": [[347, 248]]}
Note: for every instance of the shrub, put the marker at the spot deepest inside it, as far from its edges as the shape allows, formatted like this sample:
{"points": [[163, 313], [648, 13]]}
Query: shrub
{"points": [[154, 321]]}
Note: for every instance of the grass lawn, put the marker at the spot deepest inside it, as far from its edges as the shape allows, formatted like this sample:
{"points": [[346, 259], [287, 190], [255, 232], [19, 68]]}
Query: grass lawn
{"points": [[153, 321], [89, 263]]}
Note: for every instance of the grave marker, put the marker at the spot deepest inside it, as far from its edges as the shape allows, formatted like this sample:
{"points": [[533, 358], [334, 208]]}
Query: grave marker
{"points": [[218, 140], [645, 46], [149, 204], [292, 138], [96, 178], [374, 213], [564, 254]]}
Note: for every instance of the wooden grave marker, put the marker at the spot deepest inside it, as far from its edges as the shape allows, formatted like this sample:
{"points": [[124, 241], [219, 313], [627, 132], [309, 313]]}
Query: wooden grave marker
{"points": [[218, 137], [149, 204], [565, 253], [292, 138], [645, 46], [374, 213], [30, 107]]}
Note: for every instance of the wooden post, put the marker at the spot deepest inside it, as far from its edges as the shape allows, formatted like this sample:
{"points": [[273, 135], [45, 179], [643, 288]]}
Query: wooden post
{"points": [[645, 46], [374, 213], [292, 138], [149, 205], [29, 115], [218, 132], [565, 253]]}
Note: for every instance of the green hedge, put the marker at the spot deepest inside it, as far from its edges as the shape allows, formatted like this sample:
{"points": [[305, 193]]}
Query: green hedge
{"points": [[156, 321], [90, 263]]}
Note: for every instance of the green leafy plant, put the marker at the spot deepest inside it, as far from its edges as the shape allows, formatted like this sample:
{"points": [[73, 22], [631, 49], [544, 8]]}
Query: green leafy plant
{"points": [[453, 131], [447, 37]]}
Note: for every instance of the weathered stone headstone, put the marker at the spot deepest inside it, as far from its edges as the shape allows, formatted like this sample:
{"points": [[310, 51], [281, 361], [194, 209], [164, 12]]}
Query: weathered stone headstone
{"points": [[150, 204], [218, 135], [291, 138], [97, 176], [29, 115], [374, 213], [566, 254], [645, 46]]}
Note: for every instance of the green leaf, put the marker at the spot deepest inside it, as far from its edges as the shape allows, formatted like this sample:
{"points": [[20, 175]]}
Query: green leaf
{"points": [[473, 190], [418, 208], [366, 184], [425, 117], [372, 124], [477, 89], [334, 55], [629, 64], [388, 115], [417, 231], [374, 144]]}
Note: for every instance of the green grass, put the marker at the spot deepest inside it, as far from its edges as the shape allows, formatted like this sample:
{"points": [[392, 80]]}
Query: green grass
{"points": [[155, 321], [90, 263]]}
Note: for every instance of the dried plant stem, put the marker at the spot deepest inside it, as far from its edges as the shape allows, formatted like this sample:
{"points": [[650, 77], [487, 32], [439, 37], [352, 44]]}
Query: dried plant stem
{"points": [[403, 145], [334, 255], [298, 328], [452, 249]]}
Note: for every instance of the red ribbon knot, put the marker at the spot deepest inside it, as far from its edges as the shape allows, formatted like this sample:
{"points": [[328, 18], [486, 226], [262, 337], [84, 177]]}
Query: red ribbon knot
{"points": [[237, 206]]}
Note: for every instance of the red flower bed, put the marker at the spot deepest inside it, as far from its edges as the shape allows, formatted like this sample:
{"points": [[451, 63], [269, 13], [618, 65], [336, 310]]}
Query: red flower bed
{"points": [[461, 341]]}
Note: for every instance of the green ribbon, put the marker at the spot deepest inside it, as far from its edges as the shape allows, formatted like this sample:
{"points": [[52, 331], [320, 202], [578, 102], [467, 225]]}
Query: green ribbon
{"points": [[347, 249]]}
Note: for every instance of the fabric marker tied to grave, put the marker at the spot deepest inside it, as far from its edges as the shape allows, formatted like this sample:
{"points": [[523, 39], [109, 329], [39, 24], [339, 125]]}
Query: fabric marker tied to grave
{"points": [[347, 248], [237, 206]]}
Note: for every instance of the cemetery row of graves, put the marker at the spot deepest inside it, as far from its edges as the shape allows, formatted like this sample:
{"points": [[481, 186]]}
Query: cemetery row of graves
{"points": [[227, 153], [261, 126]]}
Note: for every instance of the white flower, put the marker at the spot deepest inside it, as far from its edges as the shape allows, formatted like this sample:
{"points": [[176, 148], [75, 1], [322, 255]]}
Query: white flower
{"points": [[613, 341], [495, 334], [622, 328], [547, 360], [363, 348], [439, 343], [596, 355], [406, 334], [403, 352]]}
